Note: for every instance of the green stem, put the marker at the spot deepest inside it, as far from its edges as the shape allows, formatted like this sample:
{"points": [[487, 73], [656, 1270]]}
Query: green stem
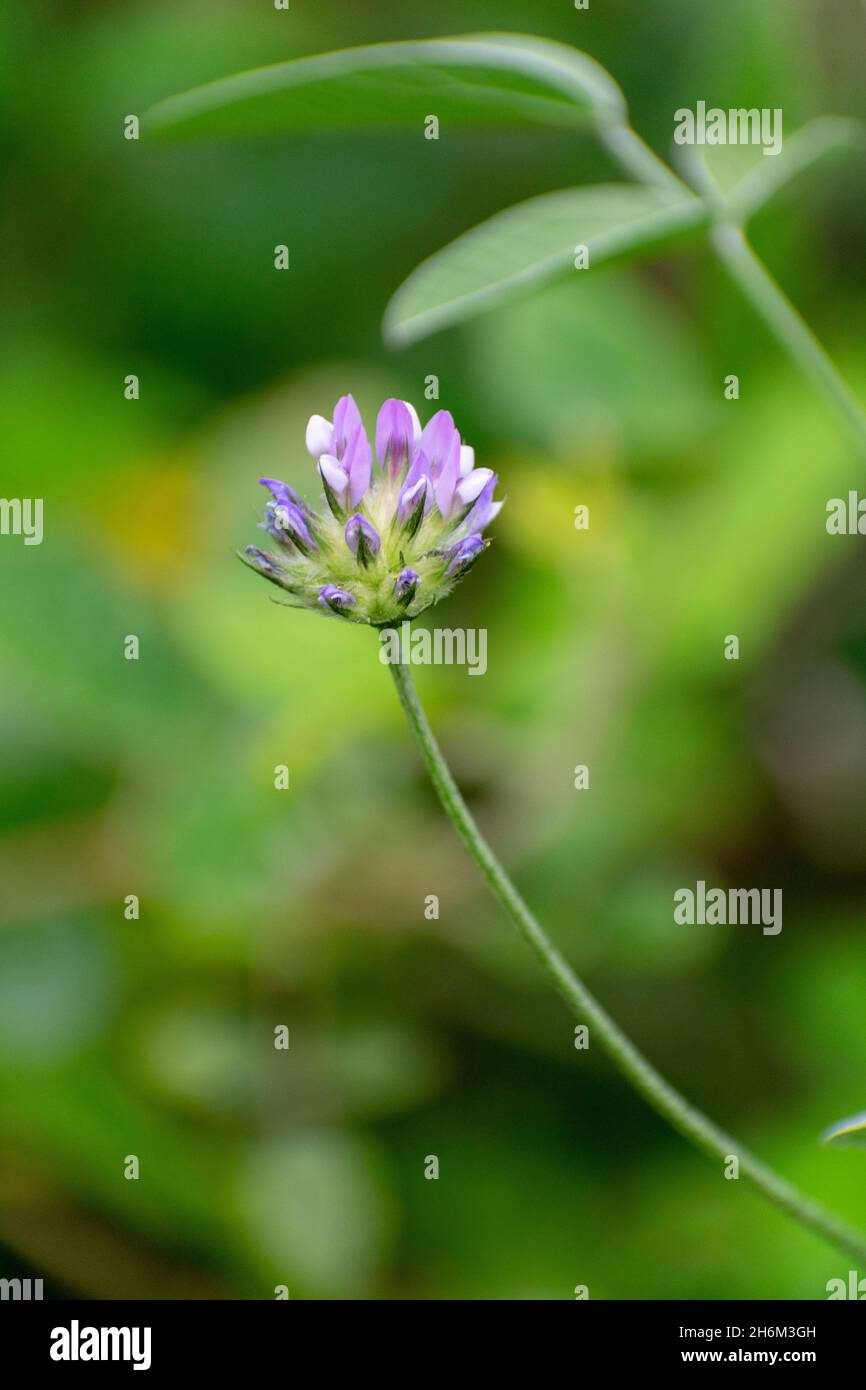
{"points": [[780, 316], [637, 159], [745, 268], [586, 1009]]}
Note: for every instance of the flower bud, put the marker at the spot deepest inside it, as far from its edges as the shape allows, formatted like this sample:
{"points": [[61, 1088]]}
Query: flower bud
{"points": [[333, 597], [335, 481], [463, 555], [410, 506], [284, 495], [362, 538], [290, 520], [266, 564], [404, 587]]}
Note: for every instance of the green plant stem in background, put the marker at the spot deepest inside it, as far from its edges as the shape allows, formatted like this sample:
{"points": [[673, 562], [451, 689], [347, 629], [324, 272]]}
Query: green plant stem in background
{"points": [[745, 268], [586, 1009], [777, 311], [636, 158]]}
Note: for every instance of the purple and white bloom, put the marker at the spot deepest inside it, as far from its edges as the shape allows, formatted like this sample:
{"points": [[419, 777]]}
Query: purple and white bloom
{"points": [[393, 534]]}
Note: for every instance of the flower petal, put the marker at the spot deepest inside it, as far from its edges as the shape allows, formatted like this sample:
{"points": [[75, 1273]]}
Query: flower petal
{"points": [[347, 418], [395, 437], [485, 508], [437, 439], [335, 479], [473, 484], [358, 463], [447, 480], [416, 423], [282, 493], [467, 459], [320, 436]]}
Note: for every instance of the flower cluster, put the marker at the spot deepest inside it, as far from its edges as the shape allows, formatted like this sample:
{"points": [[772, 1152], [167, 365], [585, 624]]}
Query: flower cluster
{"points": [[392, 538]]}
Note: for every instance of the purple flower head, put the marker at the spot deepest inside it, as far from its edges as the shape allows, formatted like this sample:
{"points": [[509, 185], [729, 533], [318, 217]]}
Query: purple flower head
{"points": [[388, 541], [463, 555], [362, 538], [331, 596], [404, 586]]}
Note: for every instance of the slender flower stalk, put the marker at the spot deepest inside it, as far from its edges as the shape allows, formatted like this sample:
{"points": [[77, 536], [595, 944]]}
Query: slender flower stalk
{"points": [[586, 1009], [387, 545]]}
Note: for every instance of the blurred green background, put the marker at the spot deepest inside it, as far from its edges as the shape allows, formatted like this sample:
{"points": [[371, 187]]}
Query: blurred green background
{"points": [[306, 908]]}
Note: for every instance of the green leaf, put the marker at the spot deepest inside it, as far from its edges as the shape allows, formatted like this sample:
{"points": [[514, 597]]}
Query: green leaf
{"points": [[475, 80], [530, 243], [848, 1132], [826, 135]]}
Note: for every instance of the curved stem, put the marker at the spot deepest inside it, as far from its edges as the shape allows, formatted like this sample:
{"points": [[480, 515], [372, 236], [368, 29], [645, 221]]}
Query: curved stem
{"points": [[635, 157], [794, 334], [586, 1008], [745, 268]]}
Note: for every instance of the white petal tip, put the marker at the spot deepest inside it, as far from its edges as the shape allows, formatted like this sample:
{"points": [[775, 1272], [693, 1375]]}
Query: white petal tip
{"points": [[320, 436]]}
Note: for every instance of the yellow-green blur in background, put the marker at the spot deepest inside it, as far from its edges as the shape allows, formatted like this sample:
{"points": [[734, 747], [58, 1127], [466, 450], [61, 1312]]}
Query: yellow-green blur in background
{"points": [[412, 1037]]}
